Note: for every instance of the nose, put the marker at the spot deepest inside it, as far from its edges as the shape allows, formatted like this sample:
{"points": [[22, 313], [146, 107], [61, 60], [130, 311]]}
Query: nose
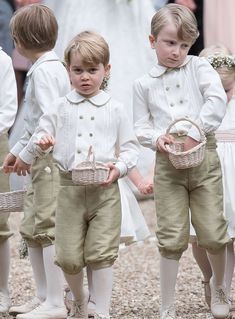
{"points": [[85, 75], [176, 51]]}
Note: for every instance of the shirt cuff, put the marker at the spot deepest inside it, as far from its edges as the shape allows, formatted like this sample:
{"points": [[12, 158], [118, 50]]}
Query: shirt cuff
{"points": [[122, 168], [16, 149], [26, 156]]}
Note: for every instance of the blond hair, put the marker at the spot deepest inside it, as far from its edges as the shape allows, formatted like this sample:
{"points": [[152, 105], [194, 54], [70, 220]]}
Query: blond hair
{"points": [[92, 48], [34, 27], [182, 17], [221, 59]]}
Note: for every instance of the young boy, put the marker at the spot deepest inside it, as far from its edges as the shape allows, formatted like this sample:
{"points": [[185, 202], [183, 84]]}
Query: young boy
{"points": [[8, 109], [34, 30], [88, 218], [183, 86]]}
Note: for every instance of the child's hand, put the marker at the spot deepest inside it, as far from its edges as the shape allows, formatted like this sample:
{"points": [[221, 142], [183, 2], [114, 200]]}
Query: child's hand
{"points": [[189, 143], [145, 187], [114, 174], [8, 163], [162, 141], [46, 142], [21, 168]]}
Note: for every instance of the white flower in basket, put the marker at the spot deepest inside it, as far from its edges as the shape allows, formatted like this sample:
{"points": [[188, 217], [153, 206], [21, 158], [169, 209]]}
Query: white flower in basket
{"points": [[90, 172], [181, 159]]}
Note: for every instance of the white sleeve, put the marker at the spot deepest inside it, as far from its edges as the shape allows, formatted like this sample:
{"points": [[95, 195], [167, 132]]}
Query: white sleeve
{"points": [[8, 96], [215, 99], [47, 125], [127, 144], [143, 127]]}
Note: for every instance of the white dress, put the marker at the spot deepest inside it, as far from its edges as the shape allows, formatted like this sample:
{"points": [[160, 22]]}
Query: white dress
{"points": [[226, 149], [225, 136], [134, 227]]}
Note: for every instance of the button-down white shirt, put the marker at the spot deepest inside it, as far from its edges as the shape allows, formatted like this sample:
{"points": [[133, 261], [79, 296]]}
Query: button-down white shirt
{"points": [[47, 80], [8, 93], [193, 90], [77, 123]]}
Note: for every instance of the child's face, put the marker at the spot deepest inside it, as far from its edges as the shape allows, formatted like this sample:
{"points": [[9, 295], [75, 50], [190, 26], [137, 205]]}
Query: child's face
{"points": [[86, 80], [171, 51]]}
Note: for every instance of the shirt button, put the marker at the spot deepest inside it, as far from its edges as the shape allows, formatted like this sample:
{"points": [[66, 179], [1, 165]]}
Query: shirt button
{"points": [[79, 134], [172, 104], [177, 85], [81, 117], [167, 88], [79, 152], [181, 101], [92, 118], [90, 134]]}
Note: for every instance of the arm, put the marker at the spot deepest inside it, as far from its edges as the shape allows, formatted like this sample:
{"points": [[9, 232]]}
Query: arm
{"points": [[8, 95], [143, 126], [127, 143], [47, 89], [144, 185], [214, 98]]}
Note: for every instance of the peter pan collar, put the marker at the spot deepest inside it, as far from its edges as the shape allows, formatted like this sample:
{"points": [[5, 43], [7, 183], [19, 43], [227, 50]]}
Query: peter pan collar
{"points": [[98, 100], [48, 56], [159, 70]]}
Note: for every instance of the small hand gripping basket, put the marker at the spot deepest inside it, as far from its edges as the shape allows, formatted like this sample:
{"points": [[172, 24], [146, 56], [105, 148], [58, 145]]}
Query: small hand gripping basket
{"points": [[12, 201], [181, 159], [90, 172]]}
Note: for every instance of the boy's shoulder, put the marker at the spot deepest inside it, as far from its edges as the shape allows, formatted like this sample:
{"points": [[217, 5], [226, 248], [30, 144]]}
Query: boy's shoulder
{"points": [[4, 57], [43, 64]]}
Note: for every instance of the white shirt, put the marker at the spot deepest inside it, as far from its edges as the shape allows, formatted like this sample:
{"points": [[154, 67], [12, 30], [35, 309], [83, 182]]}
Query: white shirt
{"points": [[8, 93], [193, 90], [47, 80], [77, 122]]}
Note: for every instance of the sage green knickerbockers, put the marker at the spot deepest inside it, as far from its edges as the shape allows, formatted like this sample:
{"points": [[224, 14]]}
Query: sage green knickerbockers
{"points": [[198, 188], [38, 224], [88, 225], [4, 187]]}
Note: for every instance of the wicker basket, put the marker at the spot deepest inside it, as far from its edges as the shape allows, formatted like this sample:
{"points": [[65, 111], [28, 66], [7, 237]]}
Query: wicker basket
{"points": [[90, 172], [12, 201], [181, 159]]}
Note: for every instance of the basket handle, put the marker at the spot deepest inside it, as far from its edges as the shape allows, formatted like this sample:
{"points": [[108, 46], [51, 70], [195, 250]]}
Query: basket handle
{"points": [[188, 120], [90, 153]]}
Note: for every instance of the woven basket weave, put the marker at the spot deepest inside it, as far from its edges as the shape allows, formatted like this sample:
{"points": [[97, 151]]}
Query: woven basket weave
{"points": [[181, 159], [12, 201], [90, 172]]}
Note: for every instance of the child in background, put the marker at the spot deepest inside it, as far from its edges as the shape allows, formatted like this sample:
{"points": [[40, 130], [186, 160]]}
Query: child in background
{"points": [[8, 109], [88, 218], [224, 63], [183, 86], [34, 30]]}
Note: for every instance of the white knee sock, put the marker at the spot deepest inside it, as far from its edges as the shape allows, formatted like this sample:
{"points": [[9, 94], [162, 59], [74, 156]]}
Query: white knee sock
{"points": [[229, 269], [75, 283], [168, 275], [91, 303], [201, 258], [218, 262], [103, 283], [4, 266], [36, 260], [54, 278]]}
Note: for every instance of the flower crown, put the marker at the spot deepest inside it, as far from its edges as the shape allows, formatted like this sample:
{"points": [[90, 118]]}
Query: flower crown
{"points": [[218, 61]]}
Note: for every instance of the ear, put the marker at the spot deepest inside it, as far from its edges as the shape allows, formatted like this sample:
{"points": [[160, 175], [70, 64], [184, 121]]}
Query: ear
{"points": [[107, 69], [152, 41]]}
